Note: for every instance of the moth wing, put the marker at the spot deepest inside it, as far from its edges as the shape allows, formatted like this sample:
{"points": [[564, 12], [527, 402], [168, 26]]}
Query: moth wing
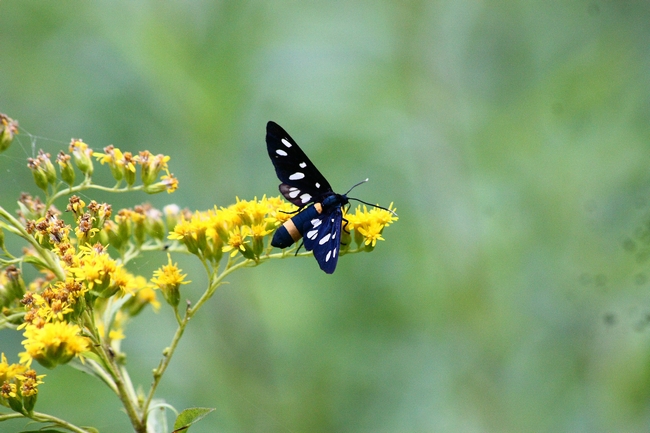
{"points": [[323, 236], [295, 195], [292, 166]]}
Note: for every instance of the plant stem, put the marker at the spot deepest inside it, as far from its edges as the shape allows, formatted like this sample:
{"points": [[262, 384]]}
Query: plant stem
{"points": [[43, 417], [87, 185]]}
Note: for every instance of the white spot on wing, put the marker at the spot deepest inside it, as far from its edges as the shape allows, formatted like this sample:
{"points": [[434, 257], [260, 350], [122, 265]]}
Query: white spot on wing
{"points": [[334, 252], [280, 152], [316, 222], [286, 143], [305, 198], [324, 239], [312, 234], [293, 192], [317, 185], [302, 165], [297, 175], [327, 257]]}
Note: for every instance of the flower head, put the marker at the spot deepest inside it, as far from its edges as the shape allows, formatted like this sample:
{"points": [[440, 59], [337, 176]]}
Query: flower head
{"points": [[169, 279], [53, 344], [368, 225]]}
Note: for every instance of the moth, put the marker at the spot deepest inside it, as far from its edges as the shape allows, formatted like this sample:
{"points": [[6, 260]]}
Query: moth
{"points": [[320, 216]]}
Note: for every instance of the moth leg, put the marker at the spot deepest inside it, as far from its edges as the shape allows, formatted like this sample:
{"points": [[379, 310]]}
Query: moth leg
{"points": [[345, 225], [291, 213], [302, 242]]}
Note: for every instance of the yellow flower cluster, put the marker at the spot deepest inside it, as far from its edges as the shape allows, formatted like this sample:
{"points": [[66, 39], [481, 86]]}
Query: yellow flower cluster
{"points": [[239, 228], [89, 276], [18, 386], [123, 167], [246, 227], [368, 225]]}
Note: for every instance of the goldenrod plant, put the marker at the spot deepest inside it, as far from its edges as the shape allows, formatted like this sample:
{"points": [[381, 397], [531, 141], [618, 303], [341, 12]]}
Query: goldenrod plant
{"points": [[76, 311]]}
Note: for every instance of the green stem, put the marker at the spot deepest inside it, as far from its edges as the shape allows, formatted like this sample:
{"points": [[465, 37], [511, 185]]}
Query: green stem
{"points": [[108, 361], [43, 417], [162, 366], [87, 185]]}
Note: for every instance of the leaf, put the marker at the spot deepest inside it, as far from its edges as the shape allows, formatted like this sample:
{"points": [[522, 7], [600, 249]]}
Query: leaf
{"points": [[35, 260], [157, 418], [189, 416]]}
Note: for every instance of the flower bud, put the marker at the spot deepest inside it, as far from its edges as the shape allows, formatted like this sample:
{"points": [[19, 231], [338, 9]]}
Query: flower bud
{"points": [[8, 128], [151, 166], [82, 156], [114, 158], [216, 248], [167, 183], [154, 223], [15, 283], [129, 168], [47, 165], [172, 294], [8, 392], [123, 220], [172, 214], [65, 167], [40, 177]]}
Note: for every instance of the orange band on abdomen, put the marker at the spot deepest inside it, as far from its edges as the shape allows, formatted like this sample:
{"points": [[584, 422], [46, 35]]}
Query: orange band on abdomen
{"points": [[292, 230]]}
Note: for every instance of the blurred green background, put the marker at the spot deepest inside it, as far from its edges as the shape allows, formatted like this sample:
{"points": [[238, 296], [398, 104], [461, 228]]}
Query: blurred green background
{"points": [[513, 137]]}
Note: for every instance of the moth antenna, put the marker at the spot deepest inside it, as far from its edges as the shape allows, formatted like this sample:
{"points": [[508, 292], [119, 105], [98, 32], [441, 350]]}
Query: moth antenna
{"points": [[373, 205], [356, 185]]}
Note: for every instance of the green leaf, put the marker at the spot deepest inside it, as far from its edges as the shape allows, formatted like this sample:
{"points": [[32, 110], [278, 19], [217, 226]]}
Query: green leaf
{"points": [[36, 261], [189, 416]]}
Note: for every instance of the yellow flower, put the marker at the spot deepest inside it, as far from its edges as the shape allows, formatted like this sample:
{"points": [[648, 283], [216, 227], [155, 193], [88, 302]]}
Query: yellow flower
{"points": [[147, 295], [280, 211], [9, 371], [53, 344], [369, 225], [169, 279], [144, 295], [371, 233], [96, 268], [123, 281], [192, 233], [8, 390], [116, 334], [237, 241]]}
